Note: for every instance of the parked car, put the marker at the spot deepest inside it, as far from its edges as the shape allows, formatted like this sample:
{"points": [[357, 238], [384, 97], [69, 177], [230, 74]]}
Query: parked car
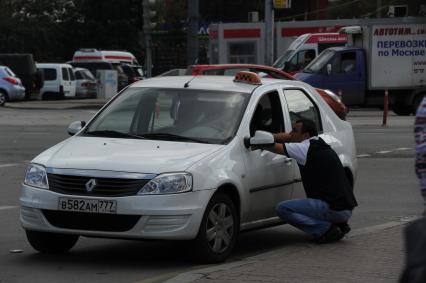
{"points": [[333, 100], [93, 66], [11, 87], [59, 80], [24, 67], [86, 83], [170, 158]]}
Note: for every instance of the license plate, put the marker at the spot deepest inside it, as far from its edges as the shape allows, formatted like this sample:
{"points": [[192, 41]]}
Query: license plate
{"points": [[87, 205]]}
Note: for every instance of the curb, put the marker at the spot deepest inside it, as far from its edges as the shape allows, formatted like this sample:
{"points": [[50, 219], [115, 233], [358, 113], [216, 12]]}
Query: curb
{"points": [[89, 107], [56, 105], [197, 274]]}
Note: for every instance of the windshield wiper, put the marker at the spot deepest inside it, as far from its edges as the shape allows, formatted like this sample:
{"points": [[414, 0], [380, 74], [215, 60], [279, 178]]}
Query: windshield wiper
{"points": [[171, 137], [306, 70], [113, 134]]}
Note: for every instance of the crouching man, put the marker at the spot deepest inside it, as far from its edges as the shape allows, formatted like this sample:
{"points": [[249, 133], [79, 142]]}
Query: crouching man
{"points": [[324, 214]]}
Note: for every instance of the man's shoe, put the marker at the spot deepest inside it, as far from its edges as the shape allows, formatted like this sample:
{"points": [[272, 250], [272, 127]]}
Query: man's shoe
{"points": [[344, 227], [333, 234]]}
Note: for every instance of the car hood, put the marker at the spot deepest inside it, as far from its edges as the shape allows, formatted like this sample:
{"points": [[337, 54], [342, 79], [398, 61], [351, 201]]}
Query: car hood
{"points": [[127, 155]]}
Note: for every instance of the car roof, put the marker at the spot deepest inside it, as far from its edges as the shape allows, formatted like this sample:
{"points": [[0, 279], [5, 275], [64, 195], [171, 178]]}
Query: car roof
{"points": [[81, 69], [52, 65], [218, 83], [234, 66]]}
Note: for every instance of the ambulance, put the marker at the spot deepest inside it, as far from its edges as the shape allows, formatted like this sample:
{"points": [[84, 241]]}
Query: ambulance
{"points": [[115, 57], [305, 48]]}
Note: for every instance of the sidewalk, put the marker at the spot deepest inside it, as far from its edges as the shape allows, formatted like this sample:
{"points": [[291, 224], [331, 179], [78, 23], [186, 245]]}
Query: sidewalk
{"points": [[58, 104], [374, 254]]}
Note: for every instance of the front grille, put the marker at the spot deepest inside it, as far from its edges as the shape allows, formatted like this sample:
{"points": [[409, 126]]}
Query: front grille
{"points": [[91, 221], [106, 187]]}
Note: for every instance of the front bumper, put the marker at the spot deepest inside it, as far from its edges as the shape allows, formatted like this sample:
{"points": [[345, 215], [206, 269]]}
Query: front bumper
{"points": [[174, 216]]}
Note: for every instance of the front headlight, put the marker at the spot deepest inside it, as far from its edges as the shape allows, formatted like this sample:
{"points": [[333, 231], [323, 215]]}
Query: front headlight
{"points": [[170, 183], [36, 176], [333, 95]]}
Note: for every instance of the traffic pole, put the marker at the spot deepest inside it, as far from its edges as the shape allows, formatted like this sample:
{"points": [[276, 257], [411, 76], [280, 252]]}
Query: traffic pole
{"points": [[385, 107]]}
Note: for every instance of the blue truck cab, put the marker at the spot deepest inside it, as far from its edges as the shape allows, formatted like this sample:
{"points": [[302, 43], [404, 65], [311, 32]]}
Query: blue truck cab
{"points": [[341, 70]]}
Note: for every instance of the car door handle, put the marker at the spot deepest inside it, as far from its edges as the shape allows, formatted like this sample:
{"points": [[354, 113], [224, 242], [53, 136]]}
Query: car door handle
{"points": [[288, 161]]}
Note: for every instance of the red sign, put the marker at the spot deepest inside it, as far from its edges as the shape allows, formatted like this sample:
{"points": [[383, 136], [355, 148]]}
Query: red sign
{"points": [[241, 33], [300, 31], [328, 38]]}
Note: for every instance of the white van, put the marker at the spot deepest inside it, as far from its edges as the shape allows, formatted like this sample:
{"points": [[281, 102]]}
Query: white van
{"points": [[117, 57], [59, 80], [305, 48]]}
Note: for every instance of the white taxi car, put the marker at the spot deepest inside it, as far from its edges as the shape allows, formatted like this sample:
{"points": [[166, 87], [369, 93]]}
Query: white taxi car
{"points": [[170, 158]]}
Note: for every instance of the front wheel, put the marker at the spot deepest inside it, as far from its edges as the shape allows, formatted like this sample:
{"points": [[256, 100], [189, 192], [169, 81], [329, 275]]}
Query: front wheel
{"points": [[218, 231], [416, 102], [52, 243]]}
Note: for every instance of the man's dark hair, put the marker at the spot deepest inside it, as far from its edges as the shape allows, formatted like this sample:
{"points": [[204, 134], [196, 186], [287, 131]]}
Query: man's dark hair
{"points": [[308, 126]]}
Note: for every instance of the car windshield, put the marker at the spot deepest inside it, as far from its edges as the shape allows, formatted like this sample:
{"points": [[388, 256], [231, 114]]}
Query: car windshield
{"points": [[279, 63], [172, 114], [84, 75], [318, 63]]}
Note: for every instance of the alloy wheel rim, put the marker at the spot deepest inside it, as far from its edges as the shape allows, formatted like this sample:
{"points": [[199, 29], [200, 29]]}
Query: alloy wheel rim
{"points": [[2, 98], [220, 228]]}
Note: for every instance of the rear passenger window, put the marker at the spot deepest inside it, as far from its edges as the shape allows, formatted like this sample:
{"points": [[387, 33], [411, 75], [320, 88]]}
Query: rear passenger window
{"points": [[65, 75], [78, 75], [49, 74], [300, 106]]}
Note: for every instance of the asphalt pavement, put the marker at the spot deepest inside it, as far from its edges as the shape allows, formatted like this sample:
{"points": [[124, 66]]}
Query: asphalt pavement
{"points": [[372, 254]]}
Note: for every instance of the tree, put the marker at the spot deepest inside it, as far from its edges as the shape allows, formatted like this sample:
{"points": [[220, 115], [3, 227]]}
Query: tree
{"points": [[344, 9]]}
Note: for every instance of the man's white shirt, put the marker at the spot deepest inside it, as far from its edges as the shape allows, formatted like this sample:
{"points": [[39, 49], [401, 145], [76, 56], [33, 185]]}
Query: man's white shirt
{"points": [[299, 150]]}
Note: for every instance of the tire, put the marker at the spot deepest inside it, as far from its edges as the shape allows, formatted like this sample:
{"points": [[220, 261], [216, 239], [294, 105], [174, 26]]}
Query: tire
{"points": [[51, 243], [218, 231], [3, 98], [416, 102], [402, 109]]}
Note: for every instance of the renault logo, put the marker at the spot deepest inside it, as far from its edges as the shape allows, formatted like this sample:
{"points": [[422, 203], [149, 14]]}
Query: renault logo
{"points": [[90, 185]]}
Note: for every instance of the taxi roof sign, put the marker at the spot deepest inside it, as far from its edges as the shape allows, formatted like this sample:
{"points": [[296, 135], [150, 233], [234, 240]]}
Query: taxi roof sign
{"points": [[247, 77]]}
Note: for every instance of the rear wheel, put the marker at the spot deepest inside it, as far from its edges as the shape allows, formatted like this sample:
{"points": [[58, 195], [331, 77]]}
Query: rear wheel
{"points": [[218, 231], [402, 109], [53, 243], [3, 98]]}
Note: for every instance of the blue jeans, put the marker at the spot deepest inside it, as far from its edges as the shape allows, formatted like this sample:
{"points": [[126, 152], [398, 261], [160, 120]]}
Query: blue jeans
{"points": [[312, 216]]}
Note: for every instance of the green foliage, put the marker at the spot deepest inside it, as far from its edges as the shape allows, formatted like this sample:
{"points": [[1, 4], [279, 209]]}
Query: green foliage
{"points": [[348, 9], [53, 30]]}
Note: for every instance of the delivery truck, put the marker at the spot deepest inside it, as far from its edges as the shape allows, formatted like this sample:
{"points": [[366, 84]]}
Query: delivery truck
{"points": [[380, 56]]}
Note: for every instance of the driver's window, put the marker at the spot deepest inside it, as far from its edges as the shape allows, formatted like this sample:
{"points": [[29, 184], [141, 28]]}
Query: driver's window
{"points": [[268, 115]]}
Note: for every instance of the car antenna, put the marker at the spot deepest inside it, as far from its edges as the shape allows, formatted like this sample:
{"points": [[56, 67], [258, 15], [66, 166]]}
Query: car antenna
{"points": [[186, 85]]}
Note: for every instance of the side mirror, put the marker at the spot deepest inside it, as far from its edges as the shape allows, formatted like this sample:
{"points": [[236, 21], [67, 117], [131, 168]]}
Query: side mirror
{"points": [[75, 127], [328, 69], [260, 138]]}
